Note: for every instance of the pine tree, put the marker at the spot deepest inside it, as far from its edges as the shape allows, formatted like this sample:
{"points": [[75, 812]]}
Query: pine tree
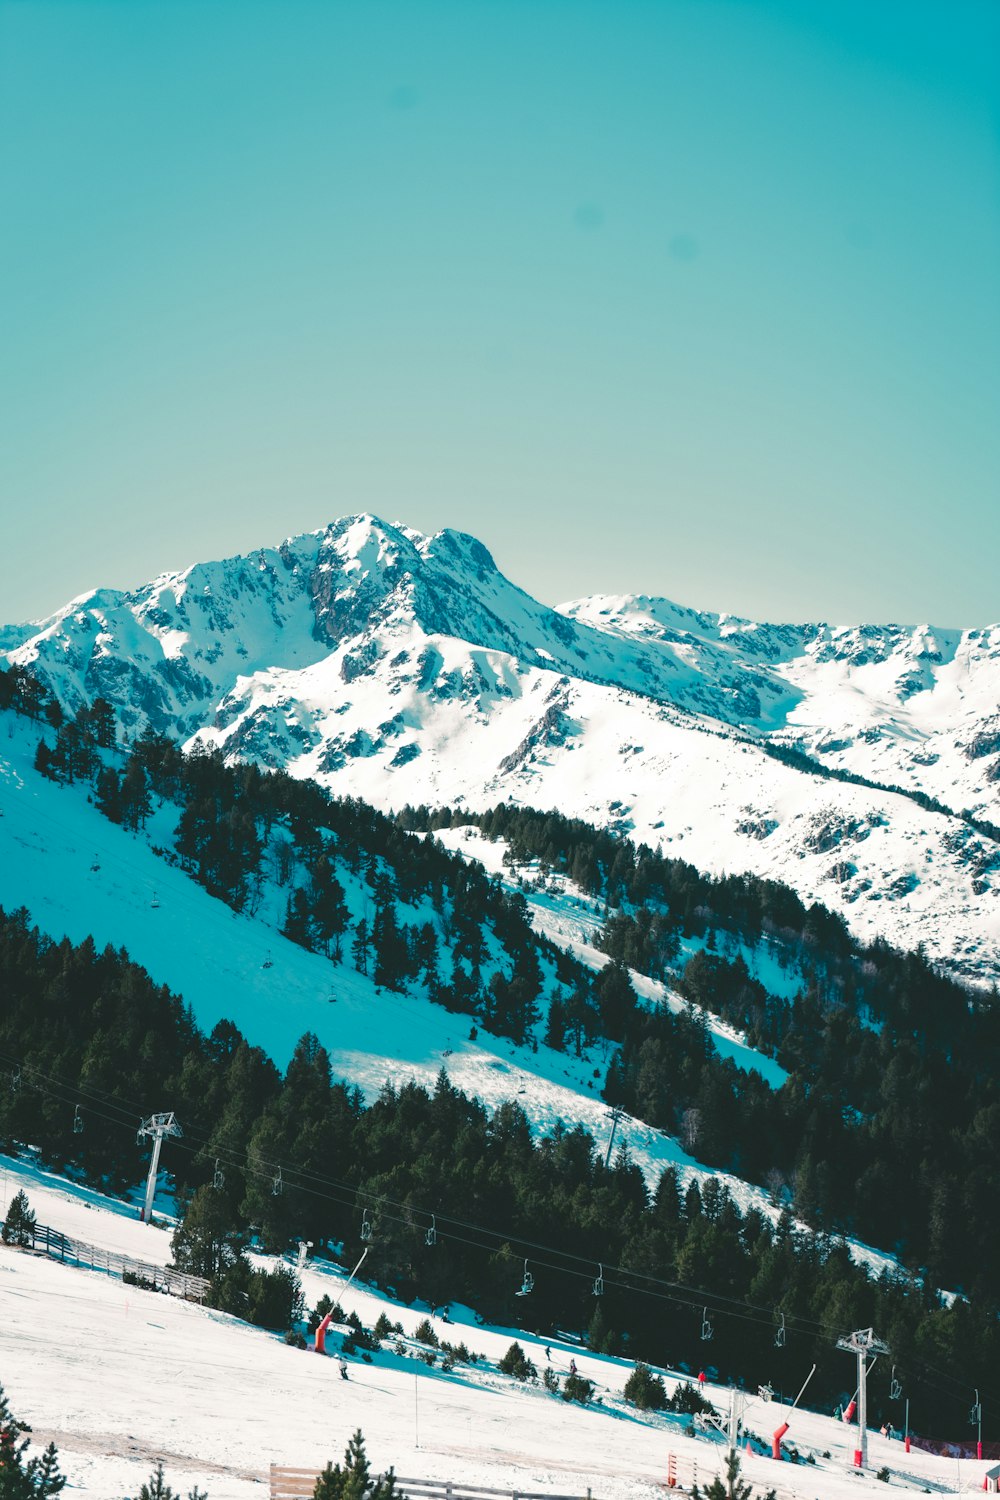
{"points": [[156, 1488], [135, 803], [329, 906], [108, 794], [361, 946], [354, 1481], [19, 1225], [209, 1238], [730, 1488], [20, 1479]]}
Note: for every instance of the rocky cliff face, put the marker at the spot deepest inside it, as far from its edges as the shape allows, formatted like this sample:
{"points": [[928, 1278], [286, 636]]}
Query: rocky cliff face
{"points": [[406, 668]]}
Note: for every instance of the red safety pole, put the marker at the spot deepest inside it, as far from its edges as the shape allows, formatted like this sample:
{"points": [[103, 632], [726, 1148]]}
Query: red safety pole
{"points": [[906, 1435], [779, 1432], [320, 1345]]}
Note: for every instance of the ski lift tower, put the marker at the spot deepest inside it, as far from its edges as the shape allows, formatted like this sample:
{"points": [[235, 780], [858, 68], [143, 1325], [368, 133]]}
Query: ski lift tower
{"points": [[156, 1126], [862, 1343]]}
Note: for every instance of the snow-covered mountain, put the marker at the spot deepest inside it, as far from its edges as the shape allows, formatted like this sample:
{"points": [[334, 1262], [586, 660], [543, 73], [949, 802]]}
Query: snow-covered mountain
{"points": [[403, 669]]}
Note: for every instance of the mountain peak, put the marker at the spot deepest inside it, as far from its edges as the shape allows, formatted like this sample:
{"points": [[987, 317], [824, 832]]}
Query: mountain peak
{"points": [[407, 668]]}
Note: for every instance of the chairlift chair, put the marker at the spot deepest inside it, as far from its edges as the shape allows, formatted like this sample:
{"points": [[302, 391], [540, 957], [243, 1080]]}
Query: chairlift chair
{"points": [[276, 1183], [780, 1335], [527, 1282], [707, 1330], [15, 1080], [431, 1237], [895, 1389], [155, 903], [366, 1228], [599, 1282], [95, 867], [77, 1121], [268, 961], [218, 1176]]}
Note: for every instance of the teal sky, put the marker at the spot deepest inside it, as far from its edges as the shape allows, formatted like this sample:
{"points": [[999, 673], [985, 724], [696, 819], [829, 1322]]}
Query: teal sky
{"points": [[699, 299]]}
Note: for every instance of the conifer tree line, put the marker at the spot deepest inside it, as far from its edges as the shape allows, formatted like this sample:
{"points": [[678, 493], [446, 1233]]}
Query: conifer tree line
{"points": [[91, 1029], [889, 1125]]}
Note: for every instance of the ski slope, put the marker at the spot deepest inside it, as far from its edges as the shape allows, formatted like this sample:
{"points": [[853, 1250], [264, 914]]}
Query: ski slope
{"points": [[118, 1377], [80, 875]]}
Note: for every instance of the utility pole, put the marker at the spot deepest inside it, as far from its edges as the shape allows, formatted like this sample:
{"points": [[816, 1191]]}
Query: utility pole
{"points": [[156, 1126], [734, 1421], [615, 1115], [976, 1416], [862, 1343]]}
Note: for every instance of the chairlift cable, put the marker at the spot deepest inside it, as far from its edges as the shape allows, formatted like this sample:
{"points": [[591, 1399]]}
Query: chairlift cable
{"points": [[345, 1194]]}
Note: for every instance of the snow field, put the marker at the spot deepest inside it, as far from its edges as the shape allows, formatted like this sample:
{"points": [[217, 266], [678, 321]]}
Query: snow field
{"points": [[119, 1377]]}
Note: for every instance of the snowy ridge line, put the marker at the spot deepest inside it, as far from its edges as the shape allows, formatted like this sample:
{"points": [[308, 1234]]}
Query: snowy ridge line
{"points": [[405, 669], [788, 755]]}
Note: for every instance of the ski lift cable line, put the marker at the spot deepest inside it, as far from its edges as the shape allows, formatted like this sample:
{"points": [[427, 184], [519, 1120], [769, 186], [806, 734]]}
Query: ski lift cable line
{"points": [[730, 1307], [497, 1238], [695, 1296], [740, 1312]]}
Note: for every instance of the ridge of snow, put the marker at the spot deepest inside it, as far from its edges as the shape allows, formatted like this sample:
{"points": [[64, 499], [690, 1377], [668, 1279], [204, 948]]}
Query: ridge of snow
{"points": [[406, 668]]}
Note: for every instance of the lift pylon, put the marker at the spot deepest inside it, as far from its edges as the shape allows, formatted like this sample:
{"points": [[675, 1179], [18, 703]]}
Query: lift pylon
{"points": [[862, 1342], [156, 1126]]}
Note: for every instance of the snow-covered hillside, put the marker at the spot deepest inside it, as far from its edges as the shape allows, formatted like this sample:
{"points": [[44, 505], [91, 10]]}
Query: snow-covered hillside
{"points": [[119, 1377], [80, 875], [406, 669]]}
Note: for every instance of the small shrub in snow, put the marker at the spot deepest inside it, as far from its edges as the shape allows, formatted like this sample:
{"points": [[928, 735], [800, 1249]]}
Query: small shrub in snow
{"points": [[688, 1399], [424, 1334], [516, 1363], [645, 1390], [576, 1388]]}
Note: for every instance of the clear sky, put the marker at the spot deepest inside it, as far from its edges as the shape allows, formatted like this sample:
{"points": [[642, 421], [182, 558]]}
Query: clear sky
{"points": [[669, 296]]}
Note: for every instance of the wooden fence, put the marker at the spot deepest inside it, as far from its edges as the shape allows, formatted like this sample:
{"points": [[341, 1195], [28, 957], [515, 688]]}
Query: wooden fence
{"points": [[48, 1241], [293, 1484]]}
